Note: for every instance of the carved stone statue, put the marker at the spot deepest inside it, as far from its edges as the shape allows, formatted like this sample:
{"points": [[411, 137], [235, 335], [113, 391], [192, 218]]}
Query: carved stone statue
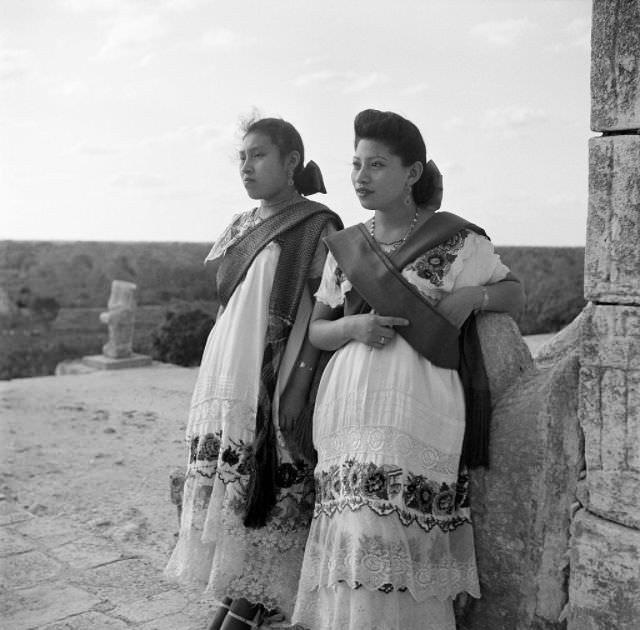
{"points": [[120, 319]]}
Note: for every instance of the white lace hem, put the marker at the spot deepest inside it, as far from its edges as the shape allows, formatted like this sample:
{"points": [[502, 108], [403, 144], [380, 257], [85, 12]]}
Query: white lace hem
{"points": [[382, 441]]}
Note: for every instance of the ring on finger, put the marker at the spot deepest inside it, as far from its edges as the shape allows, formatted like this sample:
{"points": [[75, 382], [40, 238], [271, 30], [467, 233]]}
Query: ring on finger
{"points": [[382, 340]]}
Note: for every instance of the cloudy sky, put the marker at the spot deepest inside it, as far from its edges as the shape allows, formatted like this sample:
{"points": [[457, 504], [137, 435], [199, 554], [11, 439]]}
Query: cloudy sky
{"points": [[119, 118]]}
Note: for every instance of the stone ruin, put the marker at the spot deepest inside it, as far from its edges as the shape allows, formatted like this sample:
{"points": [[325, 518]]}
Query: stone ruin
{"points": [[557, 516], [118, 352]]}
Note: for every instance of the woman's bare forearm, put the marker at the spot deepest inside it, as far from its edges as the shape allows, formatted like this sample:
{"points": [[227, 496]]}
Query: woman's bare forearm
{"points": [[506, 296], [328, 329]]}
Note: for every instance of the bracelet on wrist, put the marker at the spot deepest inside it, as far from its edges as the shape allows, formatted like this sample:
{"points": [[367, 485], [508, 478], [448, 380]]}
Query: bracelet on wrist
{"points": [[485, 299]]}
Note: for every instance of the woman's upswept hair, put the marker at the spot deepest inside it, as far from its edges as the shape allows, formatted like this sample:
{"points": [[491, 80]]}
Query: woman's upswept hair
{"points": [[402, 138]]}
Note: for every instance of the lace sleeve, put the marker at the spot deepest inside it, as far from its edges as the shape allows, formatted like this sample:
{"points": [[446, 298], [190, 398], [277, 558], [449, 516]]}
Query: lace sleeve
{"points": [[479, 263], [333, 284]]}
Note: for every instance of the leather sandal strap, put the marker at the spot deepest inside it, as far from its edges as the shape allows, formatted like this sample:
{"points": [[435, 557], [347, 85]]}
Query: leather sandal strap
{"points": [[251, 623]]}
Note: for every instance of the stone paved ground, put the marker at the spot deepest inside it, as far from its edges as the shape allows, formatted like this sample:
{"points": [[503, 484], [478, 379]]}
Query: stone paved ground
{"points": [[86, 524]]}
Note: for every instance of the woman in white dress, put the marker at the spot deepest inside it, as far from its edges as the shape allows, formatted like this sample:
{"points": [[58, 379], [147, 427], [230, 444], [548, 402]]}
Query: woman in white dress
{"points": [[391, 541], [248, 494]]}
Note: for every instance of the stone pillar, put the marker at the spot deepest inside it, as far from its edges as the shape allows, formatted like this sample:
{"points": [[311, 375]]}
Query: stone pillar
{"points": [[604, 584], [120, 319]]}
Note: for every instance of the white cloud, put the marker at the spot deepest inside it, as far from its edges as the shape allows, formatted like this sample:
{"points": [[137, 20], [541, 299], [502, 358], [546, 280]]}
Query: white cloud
{"points": [[312, 61], [415, 89], [347, 82], [501, 32], [225, 39], [113, 6], [138, 181], [359, 83], [95, 5], [132, 33], [150, 184], [216, 136], [456, 122], [576, 36], [451, 168], [512, 119], [15, 64], [561, 199], [315, 78], [92, 149], [184, 5], [208, 136]]}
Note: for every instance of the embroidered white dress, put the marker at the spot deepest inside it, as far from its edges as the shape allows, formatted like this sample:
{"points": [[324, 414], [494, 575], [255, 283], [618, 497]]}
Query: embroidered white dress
{"points": [[214, 548], [391, 541]]}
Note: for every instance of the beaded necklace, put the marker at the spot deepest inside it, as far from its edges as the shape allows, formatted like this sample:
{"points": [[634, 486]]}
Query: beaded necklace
{"points": [[393, 244]]}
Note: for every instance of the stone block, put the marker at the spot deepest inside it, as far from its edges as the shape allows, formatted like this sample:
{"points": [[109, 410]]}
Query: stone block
{"points": [[11, 543], [604, 582], [615, 65], [11, 512], [521, 506], [100, 362], [609, 411], [562, 343], [26, 569], [92, 620], [53, 529], [87, 552], [506, 355], [611, 337], [32, 608], [612, 255], [155, 607], [124, 581]]}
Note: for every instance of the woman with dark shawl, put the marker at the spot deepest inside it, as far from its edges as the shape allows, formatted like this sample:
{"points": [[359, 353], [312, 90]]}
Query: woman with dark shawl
{"points": [[248, 494], [403, 407]]}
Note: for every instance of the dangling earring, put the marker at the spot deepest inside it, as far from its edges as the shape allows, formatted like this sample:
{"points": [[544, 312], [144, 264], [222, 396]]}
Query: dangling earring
{"points": [[290, 180], [408, 199]]}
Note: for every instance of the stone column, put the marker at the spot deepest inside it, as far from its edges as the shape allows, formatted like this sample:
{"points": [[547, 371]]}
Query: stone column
{"points": [[604, 586]]}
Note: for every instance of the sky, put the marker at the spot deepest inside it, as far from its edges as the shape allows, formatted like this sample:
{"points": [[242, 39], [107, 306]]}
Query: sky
{"points": [[119, 119]]}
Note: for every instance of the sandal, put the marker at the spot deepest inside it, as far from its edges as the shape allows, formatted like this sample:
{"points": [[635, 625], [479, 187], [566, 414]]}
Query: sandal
{"points": [[242, 615], [221, 613]]}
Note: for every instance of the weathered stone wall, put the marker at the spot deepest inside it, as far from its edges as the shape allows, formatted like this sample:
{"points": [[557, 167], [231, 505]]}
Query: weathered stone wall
{"points": [[522, 504], [612, 255], [615, 65], [604, 584]]}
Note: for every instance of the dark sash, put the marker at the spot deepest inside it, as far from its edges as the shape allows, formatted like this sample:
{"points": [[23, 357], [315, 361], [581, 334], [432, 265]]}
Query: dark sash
{"points": [[378, 283], [297, 229], [376, 278], [240, 255]]}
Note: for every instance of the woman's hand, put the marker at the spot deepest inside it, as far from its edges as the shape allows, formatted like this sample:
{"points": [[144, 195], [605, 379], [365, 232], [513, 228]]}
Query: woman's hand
{"points": [[374, 330], [457, 306], [292, 403]]}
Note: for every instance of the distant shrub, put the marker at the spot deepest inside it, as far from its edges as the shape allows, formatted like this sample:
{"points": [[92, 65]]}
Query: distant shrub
{"points": [[45, 309], [553, 283], [26, 356], [181, 338]]}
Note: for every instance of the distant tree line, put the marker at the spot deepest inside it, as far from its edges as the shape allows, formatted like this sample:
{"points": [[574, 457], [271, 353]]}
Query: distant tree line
{"points": [[41, 278]]}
